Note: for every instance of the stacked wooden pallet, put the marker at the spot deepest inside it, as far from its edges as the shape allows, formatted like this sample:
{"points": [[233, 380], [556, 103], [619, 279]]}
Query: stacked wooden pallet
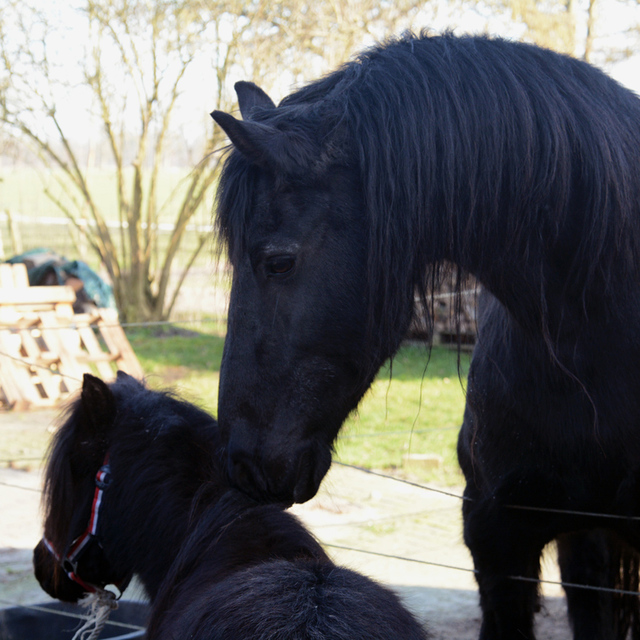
{"points": [[453, 314], [45, 348]]}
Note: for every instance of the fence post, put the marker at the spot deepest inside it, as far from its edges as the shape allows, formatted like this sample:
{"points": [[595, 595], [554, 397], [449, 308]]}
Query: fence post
{"points": [[2, 256], [14, 234]]}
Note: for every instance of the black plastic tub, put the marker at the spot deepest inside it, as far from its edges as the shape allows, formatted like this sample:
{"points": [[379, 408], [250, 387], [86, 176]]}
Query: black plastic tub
{"points": [[48, 622]]}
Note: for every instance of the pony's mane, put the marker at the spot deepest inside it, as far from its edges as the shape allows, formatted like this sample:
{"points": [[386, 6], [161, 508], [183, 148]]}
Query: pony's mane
{"points": [[57, 493], [514, 162]]}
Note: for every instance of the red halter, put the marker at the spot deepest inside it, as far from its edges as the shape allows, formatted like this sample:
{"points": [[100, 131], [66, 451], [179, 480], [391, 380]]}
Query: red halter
{"points": [[69, 562]]}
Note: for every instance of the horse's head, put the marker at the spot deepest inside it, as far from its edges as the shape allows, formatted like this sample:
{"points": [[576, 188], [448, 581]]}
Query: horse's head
{"points": [[70, 559], [291, 210]]}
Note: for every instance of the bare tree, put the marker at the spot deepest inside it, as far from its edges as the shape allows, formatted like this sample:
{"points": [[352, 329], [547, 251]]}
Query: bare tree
{"points": [[575, 27], [132, 66], [130, 71]]}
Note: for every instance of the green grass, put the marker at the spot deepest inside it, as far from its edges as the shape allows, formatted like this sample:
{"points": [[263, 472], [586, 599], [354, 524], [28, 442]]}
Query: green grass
{"points": [[185, 361], [418, 410]]}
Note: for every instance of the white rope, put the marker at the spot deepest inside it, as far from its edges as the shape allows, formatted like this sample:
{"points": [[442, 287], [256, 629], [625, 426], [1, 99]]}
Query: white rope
{"points": [[100, 604]]}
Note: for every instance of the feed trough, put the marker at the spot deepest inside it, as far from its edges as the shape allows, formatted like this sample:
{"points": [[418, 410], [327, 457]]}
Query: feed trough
{"points": [[48, 622]]}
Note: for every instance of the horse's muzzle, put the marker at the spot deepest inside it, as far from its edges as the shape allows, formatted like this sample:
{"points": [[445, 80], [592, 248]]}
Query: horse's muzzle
{"points": [[52, 578], [282, 481]]}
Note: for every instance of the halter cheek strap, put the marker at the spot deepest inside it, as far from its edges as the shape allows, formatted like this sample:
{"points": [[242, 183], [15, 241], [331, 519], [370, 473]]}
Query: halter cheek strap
{"points": [[69, 562]]}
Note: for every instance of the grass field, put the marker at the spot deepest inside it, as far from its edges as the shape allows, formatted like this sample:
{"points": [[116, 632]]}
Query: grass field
{"points": [[23, 190], [23, 196]]}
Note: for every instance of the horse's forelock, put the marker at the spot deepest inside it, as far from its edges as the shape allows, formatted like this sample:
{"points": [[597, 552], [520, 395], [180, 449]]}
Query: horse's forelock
{"points": [[234, 200]]}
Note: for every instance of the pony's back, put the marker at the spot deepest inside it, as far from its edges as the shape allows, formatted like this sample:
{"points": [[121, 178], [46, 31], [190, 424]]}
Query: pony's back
{"points": [[302, 600]]}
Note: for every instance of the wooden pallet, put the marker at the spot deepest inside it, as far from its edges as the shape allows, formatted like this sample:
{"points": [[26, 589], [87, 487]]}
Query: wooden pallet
{"points": [[45, 348]]}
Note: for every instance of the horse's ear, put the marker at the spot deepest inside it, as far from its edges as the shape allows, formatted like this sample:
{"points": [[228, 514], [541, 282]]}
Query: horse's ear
{"points": [[250, 95], [99, 405], [251, 139], [269, 147]]}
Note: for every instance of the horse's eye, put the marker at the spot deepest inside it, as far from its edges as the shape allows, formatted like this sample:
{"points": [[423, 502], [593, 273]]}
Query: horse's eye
{"points": [[280, 265]]}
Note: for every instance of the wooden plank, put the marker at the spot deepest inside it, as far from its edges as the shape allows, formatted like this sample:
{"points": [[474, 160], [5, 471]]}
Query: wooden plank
{"points": [[37, 295], [85, 319], [17, 383], [60, 346], [117, 342], [20, 275], [64, 311], [42, 358], [99, 357], [9, 317], [95, 353], [9, 383], [6, 276], [65, 342]]}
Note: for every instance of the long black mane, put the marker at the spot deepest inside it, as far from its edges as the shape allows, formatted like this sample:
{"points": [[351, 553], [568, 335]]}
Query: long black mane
{"points": [[477, 151]]}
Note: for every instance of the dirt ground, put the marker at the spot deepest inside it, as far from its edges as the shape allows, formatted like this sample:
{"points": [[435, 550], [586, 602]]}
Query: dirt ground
{"points": [[352, 509]]}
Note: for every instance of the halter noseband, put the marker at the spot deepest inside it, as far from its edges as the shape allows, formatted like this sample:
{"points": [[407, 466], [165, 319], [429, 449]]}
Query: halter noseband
{"points": [[69, 561]]}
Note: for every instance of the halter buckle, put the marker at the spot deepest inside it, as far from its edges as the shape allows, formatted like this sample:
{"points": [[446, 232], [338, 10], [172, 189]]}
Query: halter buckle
{"points": [[103, 477]]}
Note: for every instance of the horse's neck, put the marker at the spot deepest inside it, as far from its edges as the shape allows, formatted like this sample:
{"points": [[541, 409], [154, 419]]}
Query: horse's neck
{"points": [[544, 303]]}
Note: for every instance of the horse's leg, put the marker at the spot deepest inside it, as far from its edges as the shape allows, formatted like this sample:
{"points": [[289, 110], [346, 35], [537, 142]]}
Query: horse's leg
{"points": [[506, 555], [597, 558]]}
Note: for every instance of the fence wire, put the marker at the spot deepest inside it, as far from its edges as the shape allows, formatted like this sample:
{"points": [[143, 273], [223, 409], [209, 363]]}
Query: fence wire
{"points": [[571, 512]]}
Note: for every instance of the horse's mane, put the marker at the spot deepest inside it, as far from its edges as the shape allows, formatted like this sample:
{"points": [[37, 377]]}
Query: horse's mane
{"points": [[514, 162]]}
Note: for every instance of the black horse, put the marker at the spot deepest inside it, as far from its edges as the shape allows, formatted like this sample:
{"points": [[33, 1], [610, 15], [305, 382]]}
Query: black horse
{"points": [[145, 470], [520, 166]]}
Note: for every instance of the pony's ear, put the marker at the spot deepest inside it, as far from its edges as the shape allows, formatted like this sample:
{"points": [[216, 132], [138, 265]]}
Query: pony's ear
{"points": [[99, 405], [123, 376], [269, 147], [250, 96]]}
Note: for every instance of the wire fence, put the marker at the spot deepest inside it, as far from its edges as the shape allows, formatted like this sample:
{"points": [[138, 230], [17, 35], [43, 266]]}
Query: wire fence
{"points": [[387, 477], [68, 614], [377, 553]]}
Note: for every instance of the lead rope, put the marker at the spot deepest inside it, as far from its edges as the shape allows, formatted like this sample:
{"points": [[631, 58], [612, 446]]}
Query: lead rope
{"points": [[100, 604]]}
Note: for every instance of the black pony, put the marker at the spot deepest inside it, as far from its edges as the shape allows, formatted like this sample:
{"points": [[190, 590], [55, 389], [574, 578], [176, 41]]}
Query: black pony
{"points": [[144, 469], [522, 167]]}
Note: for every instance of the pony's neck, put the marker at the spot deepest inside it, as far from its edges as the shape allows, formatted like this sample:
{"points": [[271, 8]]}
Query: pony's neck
{"points": [[234, 532], [227, 535], [214, 534], [146, 534]]}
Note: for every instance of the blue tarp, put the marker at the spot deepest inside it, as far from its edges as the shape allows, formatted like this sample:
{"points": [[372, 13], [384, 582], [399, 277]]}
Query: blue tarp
{"points": [[46, 267]]}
